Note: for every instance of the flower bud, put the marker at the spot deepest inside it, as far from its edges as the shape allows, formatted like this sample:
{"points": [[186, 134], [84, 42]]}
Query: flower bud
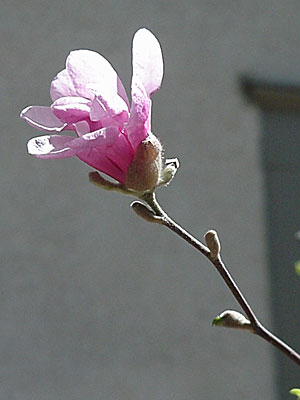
{"points": [[145, 170], [144, 212], [213, 243], [169, 171], [232, 319], [295, 392]]}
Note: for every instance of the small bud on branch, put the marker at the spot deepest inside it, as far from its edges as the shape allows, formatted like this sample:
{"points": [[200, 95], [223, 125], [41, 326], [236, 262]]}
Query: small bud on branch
{"points": [[295, 392], [168, 173], [232, 319], [143, 211], [213, 243]]}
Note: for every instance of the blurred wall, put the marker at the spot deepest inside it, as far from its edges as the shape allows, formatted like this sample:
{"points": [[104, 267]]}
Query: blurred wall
{"points": [[94, 302]]}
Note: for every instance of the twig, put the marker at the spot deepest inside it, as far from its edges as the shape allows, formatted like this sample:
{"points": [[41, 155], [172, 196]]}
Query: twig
{"points": [[215, 259]]}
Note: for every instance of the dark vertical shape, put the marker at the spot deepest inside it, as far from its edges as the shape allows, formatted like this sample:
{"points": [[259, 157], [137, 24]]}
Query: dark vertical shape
{"points": [[281, 168]]}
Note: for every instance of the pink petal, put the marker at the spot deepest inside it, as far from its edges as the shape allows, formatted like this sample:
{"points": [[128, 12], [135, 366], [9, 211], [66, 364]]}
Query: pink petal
{"points": [[122, 92], [42, 118], [82, 127], [106, 107], [71, 109], [89, 70], [106, 150], [51, 146], [86, 126], [140, 113], [62, 86], [147, 61]]}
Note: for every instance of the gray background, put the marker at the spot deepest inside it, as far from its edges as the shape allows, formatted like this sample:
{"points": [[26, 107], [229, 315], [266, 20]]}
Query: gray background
{"points": [[94, 302], [280, 147]]}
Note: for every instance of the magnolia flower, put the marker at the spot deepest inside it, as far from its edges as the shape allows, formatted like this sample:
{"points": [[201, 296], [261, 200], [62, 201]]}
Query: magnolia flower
{"points": [[111, 136]]}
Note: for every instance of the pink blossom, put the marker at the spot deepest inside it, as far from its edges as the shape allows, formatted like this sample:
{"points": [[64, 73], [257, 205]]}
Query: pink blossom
{"points": [[90, 99]]}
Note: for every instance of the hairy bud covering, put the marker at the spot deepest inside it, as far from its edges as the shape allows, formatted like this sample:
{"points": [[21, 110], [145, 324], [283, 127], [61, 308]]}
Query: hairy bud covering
{"points": [[145, 170]]}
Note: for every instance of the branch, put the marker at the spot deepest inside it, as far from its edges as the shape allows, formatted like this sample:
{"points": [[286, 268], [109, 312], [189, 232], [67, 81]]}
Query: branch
{"points": [[212, 253]]}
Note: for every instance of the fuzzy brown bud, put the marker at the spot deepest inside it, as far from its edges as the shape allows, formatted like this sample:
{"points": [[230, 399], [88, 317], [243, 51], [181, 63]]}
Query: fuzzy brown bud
{"points": [[145, 170]]}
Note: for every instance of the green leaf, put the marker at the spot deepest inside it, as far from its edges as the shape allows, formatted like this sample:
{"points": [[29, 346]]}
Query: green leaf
{"points": [[296, 392], [297, 267]]}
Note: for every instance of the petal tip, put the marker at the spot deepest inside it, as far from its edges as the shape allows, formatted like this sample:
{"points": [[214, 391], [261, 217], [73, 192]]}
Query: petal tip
{"points": [[40, 145], [24, 111], [147, 60]]}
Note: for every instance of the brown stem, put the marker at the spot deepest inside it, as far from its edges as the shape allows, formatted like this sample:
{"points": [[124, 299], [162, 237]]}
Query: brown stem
{"points": [[257, 327]]}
